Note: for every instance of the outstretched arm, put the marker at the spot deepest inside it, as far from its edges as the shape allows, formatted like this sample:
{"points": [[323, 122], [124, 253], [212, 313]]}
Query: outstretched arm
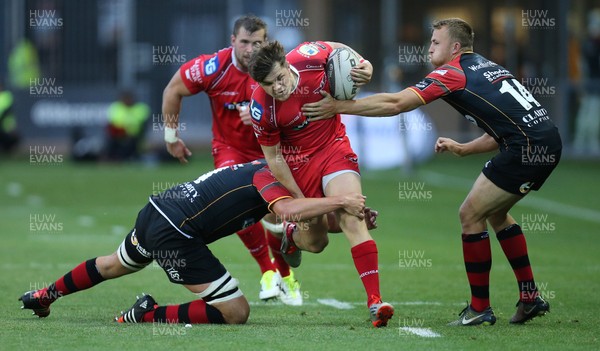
{"points": [[377, 105], [484, 143], [307, 208]]}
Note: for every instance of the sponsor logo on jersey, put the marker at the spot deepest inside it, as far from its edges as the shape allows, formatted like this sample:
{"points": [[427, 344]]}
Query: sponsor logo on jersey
{"points": [[193, 73], [256, 110], [525, 187], [471, 119], [485, 64], [492, 76], [294, 120], [441, 72], [248, 222], [134, 239], [302, 125], [174, 274], [322, 46], [211, 65], [229, 93], [308, 50], [138, 247], [422, 85], [313, 66]]}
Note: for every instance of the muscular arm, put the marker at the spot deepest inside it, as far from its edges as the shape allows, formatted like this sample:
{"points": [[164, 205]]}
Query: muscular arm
{"points": [[171, 103], [377, 105], [307, 208], [280, 169], [484, 143], [171, 106]]}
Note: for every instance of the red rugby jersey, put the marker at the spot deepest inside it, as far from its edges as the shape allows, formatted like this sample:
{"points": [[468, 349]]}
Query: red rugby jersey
{"points": [[283, 122], [224, 83]]}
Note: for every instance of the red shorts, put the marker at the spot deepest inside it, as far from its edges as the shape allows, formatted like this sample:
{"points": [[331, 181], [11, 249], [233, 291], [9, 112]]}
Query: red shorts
{"points": [[225, 155], [339, 156]]}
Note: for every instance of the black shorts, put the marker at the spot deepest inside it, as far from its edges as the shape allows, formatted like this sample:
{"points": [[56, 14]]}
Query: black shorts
{"points": [[184, 260], [518, 173]]}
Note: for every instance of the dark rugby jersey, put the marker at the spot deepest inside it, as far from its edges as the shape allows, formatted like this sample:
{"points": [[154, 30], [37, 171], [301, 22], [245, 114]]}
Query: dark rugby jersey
{"points": [[220, 202], [489, 96]]}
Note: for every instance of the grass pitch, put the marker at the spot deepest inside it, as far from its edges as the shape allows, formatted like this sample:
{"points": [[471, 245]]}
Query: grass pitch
{"points": [[55, 215]]}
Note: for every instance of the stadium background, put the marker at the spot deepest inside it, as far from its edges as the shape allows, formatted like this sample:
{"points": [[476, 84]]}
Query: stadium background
{"points": [[54, 212]]}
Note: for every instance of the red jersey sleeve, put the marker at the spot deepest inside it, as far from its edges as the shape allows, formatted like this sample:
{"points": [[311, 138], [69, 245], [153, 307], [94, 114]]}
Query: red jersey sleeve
{"points": [[269, 187], [263, 121], [199, 73], [441, 82]]}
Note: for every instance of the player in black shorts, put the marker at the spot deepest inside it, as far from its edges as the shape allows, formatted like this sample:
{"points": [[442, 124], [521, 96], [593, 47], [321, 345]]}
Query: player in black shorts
{"points": [[174, 228], [514, 122]]}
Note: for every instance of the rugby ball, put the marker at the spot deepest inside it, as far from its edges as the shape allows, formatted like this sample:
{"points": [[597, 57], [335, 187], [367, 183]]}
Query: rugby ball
{"points": [[339, 64]]}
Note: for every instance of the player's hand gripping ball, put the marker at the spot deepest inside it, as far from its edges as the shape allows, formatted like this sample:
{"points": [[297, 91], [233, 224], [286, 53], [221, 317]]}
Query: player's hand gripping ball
{"points": [[338, 67]]}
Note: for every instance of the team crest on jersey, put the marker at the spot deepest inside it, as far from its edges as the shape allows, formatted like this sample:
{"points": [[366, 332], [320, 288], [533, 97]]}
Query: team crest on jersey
{"points": [[256, 111], [211, 66], [308, 50]]}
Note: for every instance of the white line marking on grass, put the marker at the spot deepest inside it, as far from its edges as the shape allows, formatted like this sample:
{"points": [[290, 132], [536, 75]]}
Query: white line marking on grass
{"points": [[446, 181], [340, 305], [349, 305], [423, 332], [406, 303]]}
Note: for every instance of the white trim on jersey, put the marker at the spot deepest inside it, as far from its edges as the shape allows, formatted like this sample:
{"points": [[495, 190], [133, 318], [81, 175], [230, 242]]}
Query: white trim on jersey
{"points": [[169, 220]]}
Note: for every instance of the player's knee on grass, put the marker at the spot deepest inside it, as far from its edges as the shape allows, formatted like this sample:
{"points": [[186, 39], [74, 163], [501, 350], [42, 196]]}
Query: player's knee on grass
{"points": [[235, 311], [225, 295]]}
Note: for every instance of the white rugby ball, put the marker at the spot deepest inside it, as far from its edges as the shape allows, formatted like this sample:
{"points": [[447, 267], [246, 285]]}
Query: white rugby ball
{"points": [[339, 64]]}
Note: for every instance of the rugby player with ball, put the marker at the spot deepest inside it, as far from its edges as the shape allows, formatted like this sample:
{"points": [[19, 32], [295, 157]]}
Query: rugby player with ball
{"points": [[314, 159]]}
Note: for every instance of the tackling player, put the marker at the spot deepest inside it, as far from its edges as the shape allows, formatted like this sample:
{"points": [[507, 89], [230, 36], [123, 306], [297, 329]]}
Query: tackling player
{"points": [[312, 159], [223, 76], [514, 122], [174, 228]]}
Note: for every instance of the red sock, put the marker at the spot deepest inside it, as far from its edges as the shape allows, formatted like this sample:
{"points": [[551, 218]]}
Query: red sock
{"points": [[275, 245], [514, 246], [366, 263], [478, 263], [195, 312], [82, 277], [255, 240]]}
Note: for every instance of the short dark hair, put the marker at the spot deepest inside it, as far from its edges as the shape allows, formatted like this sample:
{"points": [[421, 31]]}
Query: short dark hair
{"points": [[249, 22], [264, 59], [458, 29]]}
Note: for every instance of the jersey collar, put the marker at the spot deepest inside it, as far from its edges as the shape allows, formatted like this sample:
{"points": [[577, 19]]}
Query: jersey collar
{"points": [[294, 70]]}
